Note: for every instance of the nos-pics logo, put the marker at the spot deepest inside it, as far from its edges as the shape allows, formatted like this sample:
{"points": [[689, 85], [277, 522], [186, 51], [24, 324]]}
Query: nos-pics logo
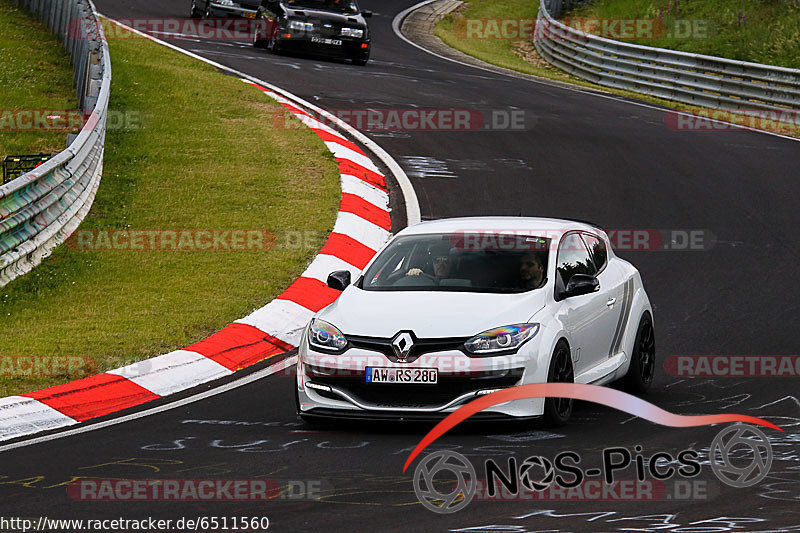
{"points": [[458, 479]]}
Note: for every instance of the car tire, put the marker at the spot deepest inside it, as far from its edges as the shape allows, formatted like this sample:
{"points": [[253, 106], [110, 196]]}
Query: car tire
{"points": [[274, 47], [195, 12], [360, 61], [643, 359], [558, 410]]}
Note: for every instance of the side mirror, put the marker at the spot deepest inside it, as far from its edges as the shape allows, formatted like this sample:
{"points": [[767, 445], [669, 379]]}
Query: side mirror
{"points": [[366, 14], [580, 284], [339, 280]]}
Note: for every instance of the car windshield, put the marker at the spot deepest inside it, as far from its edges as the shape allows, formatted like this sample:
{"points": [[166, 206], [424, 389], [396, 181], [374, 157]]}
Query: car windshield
{"points": [[463, 262], [338, 6]]}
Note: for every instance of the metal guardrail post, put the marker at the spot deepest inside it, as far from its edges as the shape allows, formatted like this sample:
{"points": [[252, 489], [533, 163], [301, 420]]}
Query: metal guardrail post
{"points": [[48, 14], [69, 24], [60, 26], [73, 21]]}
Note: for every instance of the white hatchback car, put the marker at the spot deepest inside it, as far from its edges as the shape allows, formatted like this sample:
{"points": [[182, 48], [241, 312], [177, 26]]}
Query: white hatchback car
{"points": [[453, 309]]}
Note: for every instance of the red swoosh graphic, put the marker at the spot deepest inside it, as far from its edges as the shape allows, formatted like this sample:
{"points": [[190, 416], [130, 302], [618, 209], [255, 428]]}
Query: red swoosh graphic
{"points": [[591, 393]]}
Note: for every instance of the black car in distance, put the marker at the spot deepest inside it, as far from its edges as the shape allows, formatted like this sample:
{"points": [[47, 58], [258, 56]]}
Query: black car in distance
{"points": [[333, 28], [225, 8]]}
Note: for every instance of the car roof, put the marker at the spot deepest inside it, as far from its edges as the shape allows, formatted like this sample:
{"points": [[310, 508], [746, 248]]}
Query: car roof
{"points": [[537, 226]]}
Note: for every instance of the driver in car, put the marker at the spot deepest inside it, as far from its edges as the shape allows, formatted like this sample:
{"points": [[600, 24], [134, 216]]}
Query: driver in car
{"points": [[440, 257]]}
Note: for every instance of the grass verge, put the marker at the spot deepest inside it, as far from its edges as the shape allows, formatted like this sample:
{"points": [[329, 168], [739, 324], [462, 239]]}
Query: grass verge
{"points": [[199, 151], [521, 56], [748, 30], [35, 73], [506, 53]]}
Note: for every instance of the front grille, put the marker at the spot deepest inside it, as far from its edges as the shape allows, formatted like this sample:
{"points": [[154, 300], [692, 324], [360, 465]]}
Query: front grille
{"points": [[448, 389], [334, 30], [420, 347]]}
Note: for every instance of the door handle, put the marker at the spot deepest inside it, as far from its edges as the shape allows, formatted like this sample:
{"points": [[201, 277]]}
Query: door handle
{"points": [[611, 302]]}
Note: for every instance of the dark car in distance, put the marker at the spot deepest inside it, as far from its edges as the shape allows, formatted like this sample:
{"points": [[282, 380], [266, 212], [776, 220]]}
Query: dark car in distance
{"points": [[333, 28], [225, 8]]}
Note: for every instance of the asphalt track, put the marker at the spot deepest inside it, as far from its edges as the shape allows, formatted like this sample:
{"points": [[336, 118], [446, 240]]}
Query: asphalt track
{"points": [[580, 156]]}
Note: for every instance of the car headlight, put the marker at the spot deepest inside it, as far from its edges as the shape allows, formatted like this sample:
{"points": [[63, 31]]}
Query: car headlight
{"points": [[352, 32], [229, 3], [300, 25], [500, 340], [326, 337]]}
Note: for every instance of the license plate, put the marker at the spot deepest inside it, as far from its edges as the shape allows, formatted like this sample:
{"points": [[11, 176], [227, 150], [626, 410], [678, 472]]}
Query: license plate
{"points": [[428, 376], [320, 40], [248, 14]]}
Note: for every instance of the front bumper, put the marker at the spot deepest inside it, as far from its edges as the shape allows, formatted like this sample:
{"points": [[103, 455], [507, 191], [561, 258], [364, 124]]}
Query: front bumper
{"points": [[300, 42], [335, 385]]}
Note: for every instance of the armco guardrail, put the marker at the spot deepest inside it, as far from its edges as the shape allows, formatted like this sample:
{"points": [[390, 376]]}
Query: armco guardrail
{"points": [[693, 79], [40, 209]]}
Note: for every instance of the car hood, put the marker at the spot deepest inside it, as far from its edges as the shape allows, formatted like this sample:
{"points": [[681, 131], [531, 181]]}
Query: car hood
{"points": [[327, 16], [428, 314]]}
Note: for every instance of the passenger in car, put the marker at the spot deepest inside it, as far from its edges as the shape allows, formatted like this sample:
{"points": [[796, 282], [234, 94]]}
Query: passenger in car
{"points": [[531, 270]]}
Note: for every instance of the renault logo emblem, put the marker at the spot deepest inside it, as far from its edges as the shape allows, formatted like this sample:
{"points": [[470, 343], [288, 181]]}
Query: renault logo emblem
{"points": [[402, 344]]}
